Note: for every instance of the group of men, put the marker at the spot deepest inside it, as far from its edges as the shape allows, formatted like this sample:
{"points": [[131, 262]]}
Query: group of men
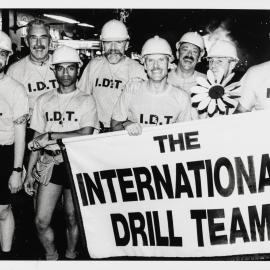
{"points": [[41, 102]]}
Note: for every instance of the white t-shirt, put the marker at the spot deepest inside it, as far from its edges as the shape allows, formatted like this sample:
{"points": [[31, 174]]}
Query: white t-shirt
{"points": [[139, 105], [184, 83], [64, 112], [37, 79], [13, 104], [255, 87], [106, 81]]}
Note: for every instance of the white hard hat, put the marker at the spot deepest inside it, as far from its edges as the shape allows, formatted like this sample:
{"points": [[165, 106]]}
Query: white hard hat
{"points": [[223, 48], [157, 45], [193, 38], [114, 30], [65, 54], [5, 42]]}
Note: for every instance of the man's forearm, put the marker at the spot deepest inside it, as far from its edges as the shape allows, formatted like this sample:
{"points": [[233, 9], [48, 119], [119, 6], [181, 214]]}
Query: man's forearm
{"points": [[19, 145], [54, 136]]}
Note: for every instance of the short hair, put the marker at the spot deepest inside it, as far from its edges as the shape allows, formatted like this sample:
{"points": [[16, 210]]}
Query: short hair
{"points": [[38, 22]]}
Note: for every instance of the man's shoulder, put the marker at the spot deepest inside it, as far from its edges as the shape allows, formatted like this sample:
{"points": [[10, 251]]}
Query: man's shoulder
{"points": [[83, 95], [177, 91], [13, 84], [133, 62], [97, 60], [260, 69], [20, 64], [43, 98]]}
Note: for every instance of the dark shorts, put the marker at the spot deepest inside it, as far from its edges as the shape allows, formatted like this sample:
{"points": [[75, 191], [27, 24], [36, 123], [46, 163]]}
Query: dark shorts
{"points": [[7, 159], [60, 175]]}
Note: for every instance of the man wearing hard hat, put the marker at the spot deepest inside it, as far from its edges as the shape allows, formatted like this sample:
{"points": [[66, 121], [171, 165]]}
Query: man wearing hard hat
{"points": [[220, 97], [33, 71], [190, 49], [152, 102], [255, 89], [61, 113], [222, 58], [14, 113], [105, 77]]}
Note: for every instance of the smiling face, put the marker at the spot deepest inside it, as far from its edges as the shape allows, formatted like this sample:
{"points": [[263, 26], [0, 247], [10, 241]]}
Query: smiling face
{"points": [[188, 55], [38, 39], [156, 66], [114, 51]]}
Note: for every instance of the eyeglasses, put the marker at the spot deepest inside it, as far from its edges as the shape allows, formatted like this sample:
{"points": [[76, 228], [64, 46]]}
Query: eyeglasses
{"points": [[41, 38], [4, 53], [219, 61]]}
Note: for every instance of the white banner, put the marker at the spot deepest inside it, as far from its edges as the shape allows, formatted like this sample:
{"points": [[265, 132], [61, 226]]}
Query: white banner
{"points": [[193, 189]]}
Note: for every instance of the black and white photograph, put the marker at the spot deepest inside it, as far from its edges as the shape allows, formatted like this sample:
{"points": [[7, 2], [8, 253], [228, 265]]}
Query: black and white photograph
{"points": [[134, 133]]}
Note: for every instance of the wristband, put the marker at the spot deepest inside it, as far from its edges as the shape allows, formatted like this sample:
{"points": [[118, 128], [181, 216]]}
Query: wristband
{"points": [[18, 169]]}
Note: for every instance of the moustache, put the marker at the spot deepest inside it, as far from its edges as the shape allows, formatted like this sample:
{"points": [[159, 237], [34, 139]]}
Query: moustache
{"points": [[156, 69], [112, 51], [189, 58], [40, 47]]}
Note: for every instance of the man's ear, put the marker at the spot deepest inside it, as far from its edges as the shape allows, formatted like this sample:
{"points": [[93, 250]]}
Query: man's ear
{"points": [[202, 53], [26, 41], [232, 65], [78, 72], [127, 45], [177, 54]]}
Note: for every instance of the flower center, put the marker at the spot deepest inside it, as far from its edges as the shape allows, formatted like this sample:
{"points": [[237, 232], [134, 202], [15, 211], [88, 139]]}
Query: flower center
{"points": [[216, 91]]}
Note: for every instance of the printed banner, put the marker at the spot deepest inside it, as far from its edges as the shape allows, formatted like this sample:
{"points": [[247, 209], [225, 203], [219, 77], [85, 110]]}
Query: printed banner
{"points": [[194, 189]]}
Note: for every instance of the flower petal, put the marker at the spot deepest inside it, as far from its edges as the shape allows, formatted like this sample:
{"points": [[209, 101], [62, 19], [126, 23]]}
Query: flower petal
{"points": [[219, 77], [204, 103], [199, 97], [231, 102], [232, 86], [227, 79], [212, 106], [202, 81], [221, 105], [211, 77], [198, 89]]}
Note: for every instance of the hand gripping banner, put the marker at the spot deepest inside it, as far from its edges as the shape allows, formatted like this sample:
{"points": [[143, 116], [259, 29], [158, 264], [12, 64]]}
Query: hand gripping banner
{"points": [[194, 189]]}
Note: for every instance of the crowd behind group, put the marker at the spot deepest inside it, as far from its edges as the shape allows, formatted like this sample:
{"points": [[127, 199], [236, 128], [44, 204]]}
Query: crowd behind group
{"points": [[41, 102]]}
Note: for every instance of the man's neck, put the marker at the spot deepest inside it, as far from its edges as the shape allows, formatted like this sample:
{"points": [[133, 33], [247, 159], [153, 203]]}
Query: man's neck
{"points": [[157, 87], [184, 73], [66, 89], [38, 62]]}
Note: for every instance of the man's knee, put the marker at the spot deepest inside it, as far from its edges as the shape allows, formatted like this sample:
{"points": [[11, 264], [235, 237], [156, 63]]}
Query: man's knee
{"points": [[71, 218], [42, 223], [4, 211]]}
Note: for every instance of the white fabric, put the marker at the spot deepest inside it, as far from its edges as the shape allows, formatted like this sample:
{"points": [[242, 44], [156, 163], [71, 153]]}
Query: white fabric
{"points": [[184, 83], [35, 78], [77, 109], [139, 105], [106, 82], [13, 104], [255, 87]]}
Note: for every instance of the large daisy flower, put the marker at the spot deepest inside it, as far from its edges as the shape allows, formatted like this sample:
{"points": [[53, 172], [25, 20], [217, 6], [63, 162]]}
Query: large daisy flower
{"points": [[214, 95]]}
